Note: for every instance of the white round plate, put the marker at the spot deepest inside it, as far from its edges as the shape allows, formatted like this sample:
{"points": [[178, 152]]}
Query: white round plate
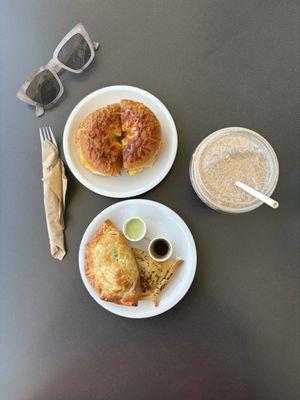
{"points": [[123, 185], [161, 221]]}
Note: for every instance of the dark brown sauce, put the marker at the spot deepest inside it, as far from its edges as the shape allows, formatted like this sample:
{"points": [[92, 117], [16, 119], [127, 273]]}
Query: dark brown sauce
{"points": [[160, 248]]}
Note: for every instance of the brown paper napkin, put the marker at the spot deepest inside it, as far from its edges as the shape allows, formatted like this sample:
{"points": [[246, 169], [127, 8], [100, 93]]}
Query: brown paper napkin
{"points": [[55, 187]]}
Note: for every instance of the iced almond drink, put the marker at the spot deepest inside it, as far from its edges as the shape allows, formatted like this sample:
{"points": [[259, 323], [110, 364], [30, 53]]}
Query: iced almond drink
{"points": [[230, 155]]}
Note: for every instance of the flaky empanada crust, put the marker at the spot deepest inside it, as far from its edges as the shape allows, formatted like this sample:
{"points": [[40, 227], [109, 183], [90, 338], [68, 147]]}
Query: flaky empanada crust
{"points": [[110, 266]]}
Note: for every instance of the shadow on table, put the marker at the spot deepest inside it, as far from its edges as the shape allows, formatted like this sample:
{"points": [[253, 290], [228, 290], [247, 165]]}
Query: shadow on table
{"points": [[194, 351]]}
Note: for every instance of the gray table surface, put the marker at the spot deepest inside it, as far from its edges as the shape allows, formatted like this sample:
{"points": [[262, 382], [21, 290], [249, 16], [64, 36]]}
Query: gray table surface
{"points": [[236, 333]]}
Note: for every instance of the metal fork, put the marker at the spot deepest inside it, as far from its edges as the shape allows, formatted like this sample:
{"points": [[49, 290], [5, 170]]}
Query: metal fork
{"points": [[47, 134]]}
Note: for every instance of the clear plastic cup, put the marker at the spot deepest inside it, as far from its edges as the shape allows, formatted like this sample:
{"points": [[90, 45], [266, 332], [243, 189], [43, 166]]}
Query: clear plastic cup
{"points": [[228, 155]]}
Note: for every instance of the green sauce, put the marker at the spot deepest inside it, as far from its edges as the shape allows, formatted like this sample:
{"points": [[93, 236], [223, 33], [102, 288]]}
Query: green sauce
{"points": [[134, 229]]}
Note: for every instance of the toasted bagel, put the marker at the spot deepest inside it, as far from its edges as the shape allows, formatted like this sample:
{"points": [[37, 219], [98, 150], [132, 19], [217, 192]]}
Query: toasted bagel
{"points": [[141, 136], [98, 141]]}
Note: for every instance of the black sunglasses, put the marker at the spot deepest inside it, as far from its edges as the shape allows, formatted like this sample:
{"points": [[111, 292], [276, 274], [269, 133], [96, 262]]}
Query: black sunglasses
{"points": [[43, 87]]}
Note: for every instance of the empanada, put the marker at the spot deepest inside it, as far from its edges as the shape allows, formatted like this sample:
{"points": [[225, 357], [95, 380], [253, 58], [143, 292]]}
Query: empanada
{"points": [[154, 275], [110, 266]]}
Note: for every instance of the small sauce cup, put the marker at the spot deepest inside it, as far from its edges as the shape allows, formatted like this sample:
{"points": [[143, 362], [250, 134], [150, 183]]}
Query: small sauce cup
{"points": [[160, 249], [134, 229]]}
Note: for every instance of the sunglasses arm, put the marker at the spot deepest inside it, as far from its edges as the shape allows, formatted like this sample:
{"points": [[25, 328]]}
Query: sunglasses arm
{"points": [[96, 45], [39, 110]]}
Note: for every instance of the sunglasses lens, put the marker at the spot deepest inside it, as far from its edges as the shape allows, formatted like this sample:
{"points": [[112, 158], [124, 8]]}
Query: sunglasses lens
{"points": [[75, 53], [44, 88]]}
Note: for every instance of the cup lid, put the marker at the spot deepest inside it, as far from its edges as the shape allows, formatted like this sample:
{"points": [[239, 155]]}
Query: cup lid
{"points": [[217, 151]]}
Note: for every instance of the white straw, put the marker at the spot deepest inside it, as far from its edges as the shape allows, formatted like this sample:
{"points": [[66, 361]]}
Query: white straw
{"points": [[272, 203]]}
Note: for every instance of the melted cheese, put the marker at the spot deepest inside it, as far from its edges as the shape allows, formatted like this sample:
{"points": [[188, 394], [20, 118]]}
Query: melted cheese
{"points": [[85, 163], [135, 171]]}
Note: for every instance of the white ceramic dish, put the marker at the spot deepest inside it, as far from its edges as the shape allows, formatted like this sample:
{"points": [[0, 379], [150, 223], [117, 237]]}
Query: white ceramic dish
{"points": [[169, 253], [126, 224], [124, 185], [160, 220]]}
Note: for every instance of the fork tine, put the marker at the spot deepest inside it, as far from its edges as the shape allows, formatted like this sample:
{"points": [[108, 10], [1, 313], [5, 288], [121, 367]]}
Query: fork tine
{"points": [[47, 134], [52, 136], [41, 135]]}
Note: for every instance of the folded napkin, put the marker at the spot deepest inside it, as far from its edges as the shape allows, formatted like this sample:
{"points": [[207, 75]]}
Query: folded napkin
{"points": [[55, 187]]}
